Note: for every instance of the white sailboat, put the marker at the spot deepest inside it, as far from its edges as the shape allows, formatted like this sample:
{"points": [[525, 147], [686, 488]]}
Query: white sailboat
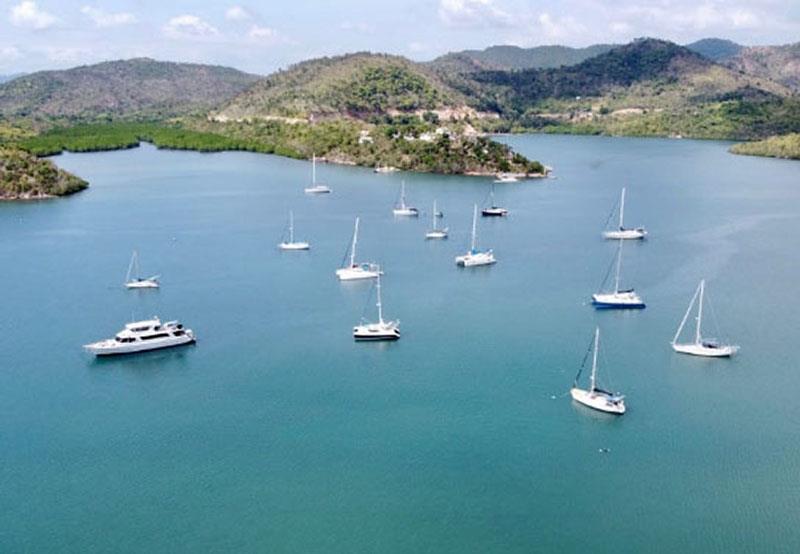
{"points": [[380, 330], [354, 271], [493, 210], [709, 348], [436, 233], [594, 397], [506, 178], [316, 188], [401, 208], [291, 244], [475, 257], [617, 299], [621, 232], [133, 279]]}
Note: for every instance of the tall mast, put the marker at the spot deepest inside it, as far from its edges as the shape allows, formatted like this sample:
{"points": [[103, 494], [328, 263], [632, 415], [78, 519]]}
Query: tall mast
{"points": [[622, 208], [434, 215], [378, 289], [619, 265], [133, 266], [353, 246], [594, 359], [402, 194], [686, 315], [474, 226], [491, 195], [291, 226], [699, 312], [313, 169]]}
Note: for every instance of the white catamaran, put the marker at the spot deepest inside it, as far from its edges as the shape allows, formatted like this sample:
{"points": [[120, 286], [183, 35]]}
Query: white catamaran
{"points": [[493, 210], [401, 208], [621, 232], [291, 244], [617, 299], [316, 188], [380, 330], [475, 257], [594, 397], [354, 271], [133, 279], [709, 348], [436, 233]]}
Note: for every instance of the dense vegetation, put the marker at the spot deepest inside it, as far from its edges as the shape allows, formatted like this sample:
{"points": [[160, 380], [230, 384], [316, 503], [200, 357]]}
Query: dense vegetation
{"points": [[778, 63], [715, 49], [508, 57], [22, 175], [787, 146]]}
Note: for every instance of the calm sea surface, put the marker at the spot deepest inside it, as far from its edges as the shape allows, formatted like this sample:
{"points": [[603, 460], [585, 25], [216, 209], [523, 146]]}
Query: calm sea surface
{"points": [[278, 433]]}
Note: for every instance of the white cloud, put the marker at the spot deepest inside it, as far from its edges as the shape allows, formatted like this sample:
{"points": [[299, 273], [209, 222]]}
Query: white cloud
{"points": [[28, 14], [238, 13], [67, 55], [358, 26], [472, 13], [9, 54], [560, 28], [742, 19], [189, 26], [105, 19], [619, 27], [262, 33]]}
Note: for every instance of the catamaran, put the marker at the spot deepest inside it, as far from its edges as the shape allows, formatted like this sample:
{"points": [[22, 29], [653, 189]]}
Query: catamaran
{"points": [[709, 348], [594, 397], [134, 281], [354, 271], [493, 210], [621, 232], [436, 233], [401, 208], [381, 330], [141, 336], [475, 257], [316, 188], [291, 244], [617, 299]]}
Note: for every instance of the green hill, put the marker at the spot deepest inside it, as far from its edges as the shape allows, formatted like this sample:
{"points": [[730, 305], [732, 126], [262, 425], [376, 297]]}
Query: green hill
{"points": [[778, 63], [137, 88], [508, 57], [24, 176], [715, 49], [786, 146]]}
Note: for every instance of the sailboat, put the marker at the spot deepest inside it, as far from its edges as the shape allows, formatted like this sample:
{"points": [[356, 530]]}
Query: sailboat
{"points": [[709, 348], [381, 330], [594, 397], [436, 233], [401, 208], [475, 257], [353, 271], [134, 281], [617, 299], [493, 210], [505, 178], [316, 188], [291, 244], [621, 232]]}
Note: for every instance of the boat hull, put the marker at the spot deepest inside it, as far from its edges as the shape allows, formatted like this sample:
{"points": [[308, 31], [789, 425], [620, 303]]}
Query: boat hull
{"points": [[598, 401], [320, 189], [494, 212], [294, 246], [376, 332], [624, 301], [436, 234], [475, 260], [112, 348], [694, 349], [406, 212], [355, 273], [625, 234]]}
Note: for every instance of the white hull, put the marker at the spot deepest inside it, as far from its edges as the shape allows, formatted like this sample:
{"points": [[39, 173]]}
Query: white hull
{"points": [[599, 400], [506, 179], [438, 234], [150, 283], [406, 212], [318, 189], [111, 347], [705, 350], [627, 299], [294, 246], [388, 330], [356, 273], [494, 212], [625, 234], [473, 259]]}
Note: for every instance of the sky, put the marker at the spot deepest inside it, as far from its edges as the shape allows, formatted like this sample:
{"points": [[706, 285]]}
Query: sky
{"points": [[261, 36]]}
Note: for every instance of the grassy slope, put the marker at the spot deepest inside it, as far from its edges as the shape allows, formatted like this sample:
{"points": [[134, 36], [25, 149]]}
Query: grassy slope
{"points": [[23, 175], [786, 146]]}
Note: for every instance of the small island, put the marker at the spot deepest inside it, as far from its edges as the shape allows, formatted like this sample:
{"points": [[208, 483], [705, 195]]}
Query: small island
{"points": [[782, 146], [23, 176]]}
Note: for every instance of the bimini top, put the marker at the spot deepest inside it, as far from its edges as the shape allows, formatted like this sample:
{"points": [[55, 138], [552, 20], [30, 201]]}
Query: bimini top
{"points": [[143, 325]]}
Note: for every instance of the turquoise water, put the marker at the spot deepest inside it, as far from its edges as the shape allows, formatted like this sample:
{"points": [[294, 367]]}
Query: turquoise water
{"points": [[277, 433]]}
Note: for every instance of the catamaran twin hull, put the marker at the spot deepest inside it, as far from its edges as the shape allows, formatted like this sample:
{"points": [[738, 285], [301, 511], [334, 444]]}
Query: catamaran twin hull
{"points": [[627, 300]]}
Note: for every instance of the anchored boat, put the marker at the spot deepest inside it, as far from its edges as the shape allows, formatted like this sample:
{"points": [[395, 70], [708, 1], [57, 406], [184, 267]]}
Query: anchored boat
{"points": [[291, 244], [134, 281], [618, 298], [621, 232], [594, 397], [380, 330], [141, 336], [316, 188], [709, 348], [475, 257], [401, 208], [493, 210], [354, 271], [436, 233]]}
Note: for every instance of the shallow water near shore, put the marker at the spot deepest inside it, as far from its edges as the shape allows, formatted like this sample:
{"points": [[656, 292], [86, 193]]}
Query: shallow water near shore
{"points": [[278, 433]]}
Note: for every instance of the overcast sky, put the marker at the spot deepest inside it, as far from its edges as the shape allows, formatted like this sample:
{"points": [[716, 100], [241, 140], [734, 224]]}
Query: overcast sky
{"points": [[261, 35]]}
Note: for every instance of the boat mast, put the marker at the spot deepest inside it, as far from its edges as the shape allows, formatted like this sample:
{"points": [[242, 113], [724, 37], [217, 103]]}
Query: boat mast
{"points": [[619, 266], [402, 195], [353, 246], [699, 312], [592, 378], [133, 267], [291, 226], [622, 209], [686, 316], [434, 215], [379, 304], [313, 169], [474, 226]]}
